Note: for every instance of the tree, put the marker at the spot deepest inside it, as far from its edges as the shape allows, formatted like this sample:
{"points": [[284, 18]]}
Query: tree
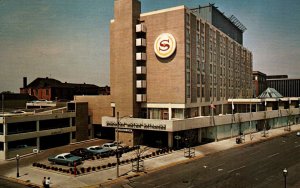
{"points": [[138, 164]]}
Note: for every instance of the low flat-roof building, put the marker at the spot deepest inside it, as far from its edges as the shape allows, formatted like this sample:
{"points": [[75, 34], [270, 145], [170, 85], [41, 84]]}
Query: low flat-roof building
{"points": [[288, 87], [22, 131]]}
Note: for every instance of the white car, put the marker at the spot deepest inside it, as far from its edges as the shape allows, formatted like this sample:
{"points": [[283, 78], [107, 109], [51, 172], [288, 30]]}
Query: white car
{"points": [[112, 146], [298, 133]]}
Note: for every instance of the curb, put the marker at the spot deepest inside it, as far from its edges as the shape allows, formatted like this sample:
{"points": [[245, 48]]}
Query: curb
{"points": [[19, 181]]}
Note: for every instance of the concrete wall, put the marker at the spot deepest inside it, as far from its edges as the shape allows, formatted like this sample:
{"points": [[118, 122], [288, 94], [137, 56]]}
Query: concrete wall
{"points": [[81, 121], [126, 138], [200, 122], [98, 106]]}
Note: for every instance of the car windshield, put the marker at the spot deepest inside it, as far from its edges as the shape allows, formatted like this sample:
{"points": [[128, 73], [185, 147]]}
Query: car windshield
{"points": [[68, 156], [98, 148]]}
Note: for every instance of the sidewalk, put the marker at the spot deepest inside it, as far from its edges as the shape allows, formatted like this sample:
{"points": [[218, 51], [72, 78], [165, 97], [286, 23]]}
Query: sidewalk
{"points": [[34, 176]]}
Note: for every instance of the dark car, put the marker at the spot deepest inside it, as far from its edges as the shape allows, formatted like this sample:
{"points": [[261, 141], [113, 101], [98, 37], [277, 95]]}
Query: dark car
{"points": [[101, 151], [65, 159], [82, 152]]}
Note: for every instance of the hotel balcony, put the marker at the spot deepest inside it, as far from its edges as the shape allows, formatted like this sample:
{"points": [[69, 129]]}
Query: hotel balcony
{"points": [[140, 42], [141, 56], [141, 97], [141, 84], [141, 70], [141, 28]]}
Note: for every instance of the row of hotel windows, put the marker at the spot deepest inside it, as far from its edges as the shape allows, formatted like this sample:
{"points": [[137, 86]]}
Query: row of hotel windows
{"points": [[240, 54]]}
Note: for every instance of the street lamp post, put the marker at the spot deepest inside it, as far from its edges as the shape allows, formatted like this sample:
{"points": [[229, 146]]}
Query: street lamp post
{"points": [[117, 153], [284, 175], [18, 158]]}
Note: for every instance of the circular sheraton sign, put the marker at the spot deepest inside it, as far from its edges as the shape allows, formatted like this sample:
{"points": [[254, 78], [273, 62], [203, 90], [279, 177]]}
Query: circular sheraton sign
{"points": [[164, 45]]}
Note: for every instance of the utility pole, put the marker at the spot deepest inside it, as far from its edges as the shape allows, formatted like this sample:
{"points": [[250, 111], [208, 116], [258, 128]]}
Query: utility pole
{"points": [[117, 153]]}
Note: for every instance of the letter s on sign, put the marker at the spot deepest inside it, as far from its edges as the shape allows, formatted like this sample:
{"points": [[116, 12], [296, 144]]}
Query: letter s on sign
{"points": [[164, 45]]}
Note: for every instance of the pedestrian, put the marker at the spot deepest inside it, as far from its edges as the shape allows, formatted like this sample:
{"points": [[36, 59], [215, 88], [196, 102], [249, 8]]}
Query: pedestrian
{"points": [[48, 182], [44, 182]]}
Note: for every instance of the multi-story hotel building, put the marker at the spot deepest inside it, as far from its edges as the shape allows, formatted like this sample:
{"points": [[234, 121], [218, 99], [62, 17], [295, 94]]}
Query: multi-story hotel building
{"points": [[173, 63]]}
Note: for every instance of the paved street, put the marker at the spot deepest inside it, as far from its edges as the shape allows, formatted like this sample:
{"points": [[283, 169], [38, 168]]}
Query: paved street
{"points": [[256, 165]]}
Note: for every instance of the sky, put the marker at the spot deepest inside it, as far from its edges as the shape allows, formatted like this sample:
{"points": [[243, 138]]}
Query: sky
{"points": [[69, 39]]}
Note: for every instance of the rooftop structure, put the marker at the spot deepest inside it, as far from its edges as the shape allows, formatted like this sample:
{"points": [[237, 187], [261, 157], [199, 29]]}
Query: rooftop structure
{"points": [[270, 93]]}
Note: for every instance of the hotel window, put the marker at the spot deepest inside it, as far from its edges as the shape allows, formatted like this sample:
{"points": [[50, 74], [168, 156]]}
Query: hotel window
{"points": [[187, 34], [203, 54], [203, 79], [187, 63], [198, 52], [210, 92], [188, 48], [198, 39], [202, 41], [188, 75], [198, 25], [187, 19], [203, 92], [210, 68], [188, 93], [198, 65], [198, 78], [198, 91], [203, 67]]}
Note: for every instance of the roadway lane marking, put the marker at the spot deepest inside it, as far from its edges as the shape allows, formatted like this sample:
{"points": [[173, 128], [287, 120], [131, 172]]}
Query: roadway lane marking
{"points": [[217, 166], [297, 146], [236, 169], [273, 155]]}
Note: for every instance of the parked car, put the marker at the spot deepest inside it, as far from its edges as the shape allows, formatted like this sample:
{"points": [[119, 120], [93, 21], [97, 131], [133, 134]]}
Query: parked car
{"points": [[98, 150], [83, 152], [112, 145], [298, 133], [65, 159]]}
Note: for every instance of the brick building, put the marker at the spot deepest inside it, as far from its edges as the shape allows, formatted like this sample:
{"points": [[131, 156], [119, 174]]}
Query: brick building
{"points": [[52, 89], [169, 66]]}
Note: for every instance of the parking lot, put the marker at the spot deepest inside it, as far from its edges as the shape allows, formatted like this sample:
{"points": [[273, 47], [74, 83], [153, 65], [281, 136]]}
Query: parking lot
{"points": [[97, 163]]}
